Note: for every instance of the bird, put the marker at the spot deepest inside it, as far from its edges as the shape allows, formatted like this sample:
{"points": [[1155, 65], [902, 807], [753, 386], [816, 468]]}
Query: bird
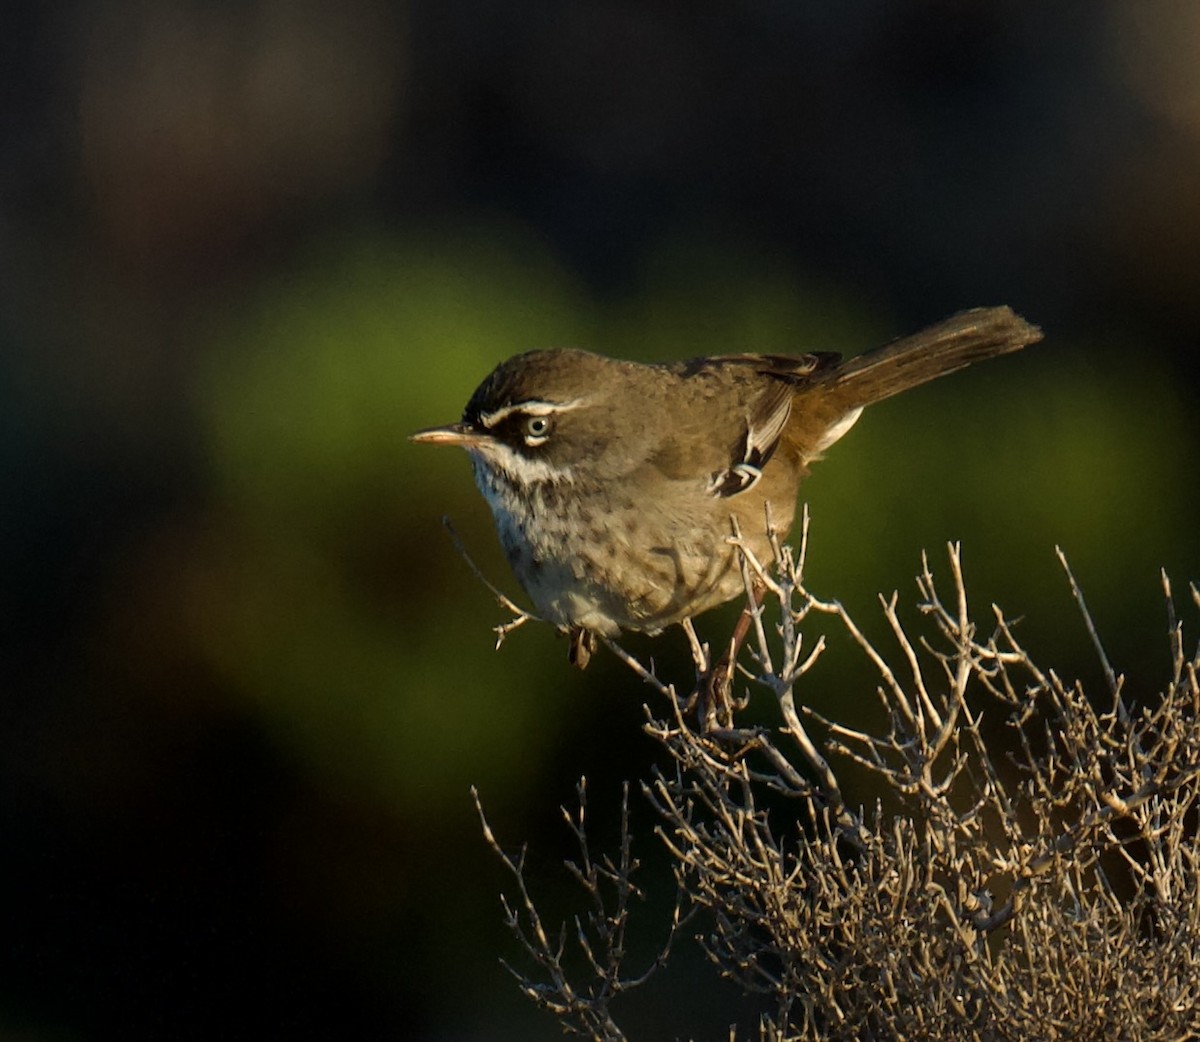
{"points": [[615, 485]]}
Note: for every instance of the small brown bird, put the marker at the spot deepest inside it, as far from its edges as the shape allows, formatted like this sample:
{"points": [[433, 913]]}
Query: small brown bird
{"points": [[613, 483]]}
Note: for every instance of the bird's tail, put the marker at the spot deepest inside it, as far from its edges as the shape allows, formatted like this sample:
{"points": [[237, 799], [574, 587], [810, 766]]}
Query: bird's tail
{"points": [[946, 347]]}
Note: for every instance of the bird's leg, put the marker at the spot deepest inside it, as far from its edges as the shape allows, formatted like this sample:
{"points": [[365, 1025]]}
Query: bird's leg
{"points": [[583, 643], [719, 680]]}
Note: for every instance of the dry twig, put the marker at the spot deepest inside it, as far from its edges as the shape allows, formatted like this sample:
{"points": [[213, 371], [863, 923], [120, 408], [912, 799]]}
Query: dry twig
{"points": [[1049, 889]]}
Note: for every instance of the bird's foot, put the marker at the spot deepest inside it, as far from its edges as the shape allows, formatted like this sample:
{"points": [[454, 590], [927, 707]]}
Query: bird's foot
{"points": [[583, 644], [717, 703]]}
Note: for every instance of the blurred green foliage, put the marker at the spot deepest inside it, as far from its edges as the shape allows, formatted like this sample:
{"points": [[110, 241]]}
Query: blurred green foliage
{"points": [[248, 248], [350, 623], [339, 622], [308, 590]]}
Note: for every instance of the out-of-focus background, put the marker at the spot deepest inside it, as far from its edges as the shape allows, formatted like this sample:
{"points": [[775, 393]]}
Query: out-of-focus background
{"points": [[245, 249]]}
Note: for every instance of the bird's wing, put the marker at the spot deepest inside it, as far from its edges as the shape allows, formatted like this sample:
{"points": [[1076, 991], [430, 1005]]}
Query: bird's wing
{"points": [[767, 416], [728, 447], [755, 443]]}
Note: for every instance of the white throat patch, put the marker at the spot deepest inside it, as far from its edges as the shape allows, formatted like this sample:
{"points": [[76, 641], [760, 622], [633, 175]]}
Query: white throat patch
{"points": [[517, 467]]}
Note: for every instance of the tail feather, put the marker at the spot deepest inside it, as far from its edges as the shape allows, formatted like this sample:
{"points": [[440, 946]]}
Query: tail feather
{"points": [[944, 348]]}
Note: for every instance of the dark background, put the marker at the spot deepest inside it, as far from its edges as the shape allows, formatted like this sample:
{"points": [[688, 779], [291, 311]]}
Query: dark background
{"points": [[245, 249]]}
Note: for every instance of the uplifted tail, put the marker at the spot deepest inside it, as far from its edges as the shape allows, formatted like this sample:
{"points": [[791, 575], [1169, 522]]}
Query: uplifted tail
{"points": [[952, 344]]}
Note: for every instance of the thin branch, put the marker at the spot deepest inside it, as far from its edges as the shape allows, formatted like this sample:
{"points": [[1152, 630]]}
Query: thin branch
{"points": [[1114, 682], [520, 615]]}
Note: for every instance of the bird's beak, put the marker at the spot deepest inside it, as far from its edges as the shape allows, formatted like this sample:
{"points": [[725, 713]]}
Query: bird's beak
{"points": [[462, 434]]}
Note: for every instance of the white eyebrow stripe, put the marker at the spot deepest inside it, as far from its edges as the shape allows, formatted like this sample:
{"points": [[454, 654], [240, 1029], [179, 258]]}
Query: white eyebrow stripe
{"points": [[532, 408]]}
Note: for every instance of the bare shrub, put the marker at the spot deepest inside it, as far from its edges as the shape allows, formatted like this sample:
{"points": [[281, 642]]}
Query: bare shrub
{"points": [[1045, 891]]}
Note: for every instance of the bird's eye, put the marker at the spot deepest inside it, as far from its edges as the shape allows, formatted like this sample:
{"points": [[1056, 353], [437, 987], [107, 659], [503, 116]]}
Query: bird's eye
{"points": [[537, 429]]}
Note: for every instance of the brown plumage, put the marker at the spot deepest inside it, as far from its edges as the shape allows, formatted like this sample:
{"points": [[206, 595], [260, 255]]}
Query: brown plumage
{"points": [[613, 483]]}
